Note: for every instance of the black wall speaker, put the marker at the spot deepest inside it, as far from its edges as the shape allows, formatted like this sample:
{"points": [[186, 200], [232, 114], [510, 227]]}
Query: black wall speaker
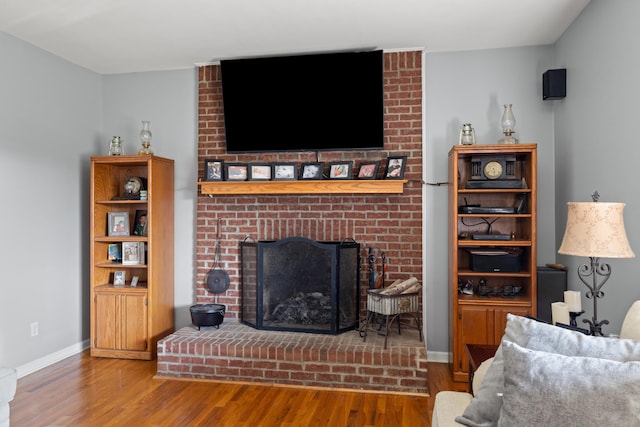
{"points": [[554, 84], [551, 286]]}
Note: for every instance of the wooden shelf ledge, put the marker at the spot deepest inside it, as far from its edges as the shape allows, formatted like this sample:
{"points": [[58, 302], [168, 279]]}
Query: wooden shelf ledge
{"points": [[390, 186]]}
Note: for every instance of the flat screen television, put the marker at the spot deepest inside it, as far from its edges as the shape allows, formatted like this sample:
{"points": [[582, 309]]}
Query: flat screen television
{"points": [[331, 101]]}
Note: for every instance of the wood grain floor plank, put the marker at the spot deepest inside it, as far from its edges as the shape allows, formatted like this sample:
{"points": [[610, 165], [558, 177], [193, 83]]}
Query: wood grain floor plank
{"points": [[85, 391]]}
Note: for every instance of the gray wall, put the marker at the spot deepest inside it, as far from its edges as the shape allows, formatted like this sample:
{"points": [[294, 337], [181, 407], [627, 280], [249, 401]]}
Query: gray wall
{"points": [[472, 87], [50, 117], [168, 99], [596, 148]]}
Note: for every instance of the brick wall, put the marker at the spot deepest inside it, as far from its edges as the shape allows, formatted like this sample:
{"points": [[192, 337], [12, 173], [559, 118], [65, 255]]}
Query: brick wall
{"points": [[391, 222]]}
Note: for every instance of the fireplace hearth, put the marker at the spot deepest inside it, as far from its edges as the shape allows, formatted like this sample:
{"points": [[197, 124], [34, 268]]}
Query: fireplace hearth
{"points": [[298, 284]]}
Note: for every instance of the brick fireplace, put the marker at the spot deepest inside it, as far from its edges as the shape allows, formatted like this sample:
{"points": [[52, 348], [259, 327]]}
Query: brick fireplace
{"points": [[391, 222]]}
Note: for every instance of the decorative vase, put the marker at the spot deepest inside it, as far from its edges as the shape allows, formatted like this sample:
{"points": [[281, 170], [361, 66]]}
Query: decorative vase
{"points": [[115, 147], [145, 137]]}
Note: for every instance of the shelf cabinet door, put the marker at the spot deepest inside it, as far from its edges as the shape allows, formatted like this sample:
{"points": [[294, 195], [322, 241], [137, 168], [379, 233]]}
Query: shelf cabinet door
{"points": [[474, 326], [106, 335], [121, 322]]}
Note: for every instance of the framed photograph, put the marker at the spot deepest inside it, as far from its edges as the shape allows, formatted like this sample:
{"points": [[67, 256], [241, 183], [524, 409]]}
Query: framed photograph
{"points": [[132, 253], [140, 224], [395, 167], [284, 171], [259, 172], [213, 170], [118, 223], [236, 172], [312, 170], [114, 253], [134, 281], [368, 170], [118, 278], [340, 170]]}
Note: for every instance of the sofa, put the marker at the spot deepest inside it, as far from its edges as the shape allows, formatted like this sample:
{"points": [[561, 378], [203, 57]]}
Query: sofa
{"points": [[546, 375], [8, 382]]}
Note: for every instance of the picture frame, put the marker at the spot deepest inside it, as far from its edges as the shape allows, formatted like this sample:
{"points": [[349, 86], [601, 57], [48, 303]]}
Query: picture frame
{"points": [[312, 170], [132, 253], [114, 253], [213, 170], [340, 170], [140, 223], [260, 172], [119, 278], [368, 170], [284, 171], [236, 171], [118, 224], [395, 167], [134, 281]]}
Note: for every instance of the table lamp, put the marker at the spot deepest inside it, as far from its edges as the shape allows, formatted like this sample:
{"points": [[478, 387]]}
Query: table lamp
{"points": [[595, 230]]}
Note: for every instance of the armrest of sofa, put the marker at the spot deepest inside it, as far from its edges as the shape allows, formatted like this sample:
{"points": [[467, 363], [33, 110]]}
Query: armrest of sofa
{"points": [[450, 404], [447, 406], [8, 383]]}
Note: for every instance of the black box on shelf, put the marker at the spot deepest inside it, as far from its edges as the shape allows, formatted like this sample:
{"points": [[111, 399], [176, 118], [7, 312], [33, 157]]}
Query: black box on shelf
{"points": [[490, 260]]}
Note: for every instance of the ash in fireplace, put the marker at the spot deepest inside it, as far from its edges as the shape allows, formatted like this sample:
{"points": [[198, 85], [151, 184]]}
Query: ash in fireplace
{"points": [[304, 308]]}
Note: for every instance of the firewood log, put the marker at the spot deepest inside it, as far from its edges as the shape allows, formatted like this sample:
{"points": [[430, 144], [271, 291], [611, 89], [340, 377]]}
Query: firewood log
{"points": [[399, 287], [412, 289]]}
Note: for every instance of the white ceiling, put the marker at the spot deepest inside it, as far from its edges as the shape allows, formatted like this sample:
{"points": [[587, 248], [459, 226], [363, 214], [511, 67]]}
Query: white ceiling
{"points": [[121, 36]]}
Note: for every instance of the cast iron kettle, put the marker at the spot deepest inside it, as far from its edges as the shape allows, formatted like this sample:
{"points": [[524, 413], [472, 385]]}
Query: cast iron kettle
{"points": [[218, 280]]}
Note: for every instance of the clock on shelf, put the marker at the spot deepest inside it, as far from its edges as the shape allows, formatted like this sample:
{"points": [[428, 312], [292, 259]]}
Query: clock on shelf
{"points": [[132, 187], [494, 171]]}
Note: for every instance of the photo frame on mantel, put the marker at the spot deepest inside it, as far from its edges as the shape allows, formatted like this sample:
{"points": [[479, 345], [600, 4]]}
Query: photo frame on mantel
{"points": [[368, 170], [395, 167], [236, 171], [340, 170], [312, 170]]}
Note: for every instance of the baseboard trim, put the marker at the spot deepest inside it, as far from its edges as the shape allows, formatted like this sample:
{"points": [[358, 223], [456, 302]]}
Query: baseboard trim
{"points": [[438, 356], [50, 359]]}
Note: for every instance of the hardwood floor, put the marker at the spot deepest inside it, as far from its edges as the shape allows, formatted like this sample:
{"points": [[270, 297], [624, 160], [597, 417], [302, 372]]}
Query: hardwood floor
{"points": [[85, 391]]}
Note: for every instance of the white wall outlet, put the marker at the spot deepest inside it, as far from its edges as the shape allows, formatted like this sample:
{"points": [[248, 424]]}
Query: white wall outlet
{"points": [[34, 329]]}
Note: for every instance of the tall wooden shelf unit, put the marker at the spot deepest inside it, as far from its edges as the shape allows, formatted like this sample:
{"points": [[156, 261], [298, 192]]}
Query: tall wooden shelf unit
{"points": [[481, 319], [127, 322]]}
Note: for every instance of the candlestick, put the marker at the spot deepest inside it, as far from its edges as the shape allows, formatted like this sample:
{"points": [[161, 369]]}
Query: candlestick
{"points": [[573, 300], [559, 313]]}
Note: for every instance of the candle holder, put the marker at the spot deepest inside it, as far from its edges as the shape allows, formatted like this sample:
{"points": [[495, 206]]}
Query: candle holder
{"points": [[573, 315]]}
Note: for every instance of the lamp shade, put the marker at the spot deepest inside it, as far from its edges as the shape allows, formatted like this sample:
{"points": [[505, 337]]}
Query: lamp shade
{"points": [[595, 229]]}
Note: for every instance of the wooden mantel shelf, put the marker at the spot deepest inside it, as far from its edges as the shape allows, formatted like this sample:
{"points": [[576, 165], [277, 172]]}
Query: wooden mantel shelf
{"points": [[389, 186]]}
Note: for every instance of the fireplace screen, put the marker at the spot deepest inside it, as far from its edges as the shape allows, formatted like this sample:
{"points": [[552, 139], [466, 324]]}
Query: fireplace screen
{"points": [[297, 284]]}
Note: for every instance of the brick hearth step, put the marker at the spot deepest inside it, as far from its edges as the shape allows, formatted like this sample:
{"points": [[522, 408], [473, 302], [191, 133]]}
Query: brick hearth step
{"points": [[236, 352]]}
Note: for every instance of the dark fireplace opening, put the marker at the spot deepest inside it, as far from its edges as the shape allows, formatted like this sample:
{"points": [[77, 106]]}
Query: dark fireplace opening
{"points": [[298, 284]]}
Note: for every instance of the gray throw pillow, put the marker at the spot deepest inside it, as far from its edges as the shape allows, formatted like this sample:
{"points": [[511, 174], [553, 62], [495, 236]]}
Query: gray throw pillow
{"points": [[547, 389], [484, 409]]}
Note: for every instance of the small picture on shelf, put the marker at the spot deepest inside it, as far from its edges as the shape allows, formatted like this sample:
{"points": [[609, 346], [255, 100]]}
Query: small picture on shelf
{"points": [[118, 278], [368, 170], [284, 171], [134, 281], [259, 172], [341, 170], [213, 169], [236, 172], [114, 254], [118, 223], [132, 253], [140, 225], [312, 170], [395, 167]]}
